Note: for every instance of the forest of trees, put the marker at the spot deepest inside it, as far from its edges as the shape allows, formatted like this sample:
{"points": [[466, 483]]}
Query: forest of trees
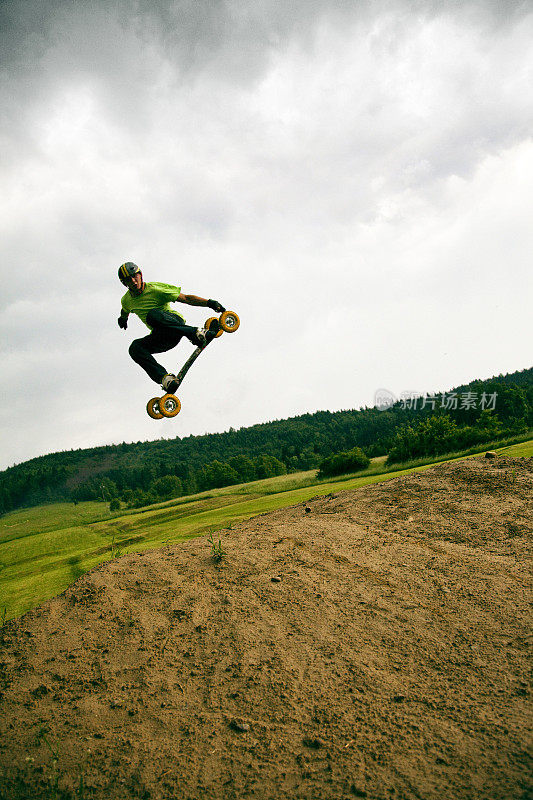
{"points": [[143, 472]]}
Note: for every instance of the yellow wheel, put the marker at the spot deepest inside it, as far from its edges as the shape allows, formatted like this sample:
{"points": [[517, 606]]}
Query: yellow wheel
{"points": [[169, 405], [208, 323], [152, 407], [229, 321]]}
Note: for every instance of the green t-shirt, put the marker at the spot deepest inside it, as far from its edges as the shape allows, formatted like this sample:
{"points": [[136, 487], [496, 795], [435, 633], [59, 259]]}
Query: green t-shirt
{"points": [[155, 295]]}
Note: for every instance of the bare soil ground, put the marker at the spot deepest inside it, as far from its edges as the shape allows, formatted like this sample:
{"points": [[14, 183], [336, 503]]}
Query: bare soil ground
{"points": [[374, 644]]}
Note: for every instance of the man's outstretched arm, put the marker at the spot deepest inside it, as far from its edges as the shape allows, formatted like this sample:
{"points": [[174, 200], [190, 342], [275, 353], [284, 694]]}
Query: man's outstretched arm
{"points": [[194, 300]]}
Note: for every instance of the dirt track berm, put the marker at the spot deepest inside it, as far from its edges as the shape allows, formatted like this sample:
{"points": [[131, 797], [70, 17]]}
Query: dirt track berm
{"points": [[169, 405]]}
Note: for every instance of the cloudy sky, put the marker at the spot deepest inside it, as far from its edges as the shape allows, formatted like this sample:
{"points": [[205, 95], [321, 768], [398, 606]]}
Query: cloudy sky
{"points": [[352, 177]]}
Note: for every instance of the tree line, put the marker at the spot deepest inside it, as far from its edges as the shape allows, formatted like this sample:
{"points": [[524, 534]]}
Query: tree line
{"points": [[142, 472]]}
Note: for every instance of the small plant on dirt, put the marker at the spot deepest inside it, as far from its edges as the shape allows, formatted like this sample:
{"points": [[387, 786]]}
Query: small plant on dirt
{"points": [[216, 549], [53, 781], [54, 791], [116, 550], [42, 736], [81, 792]]}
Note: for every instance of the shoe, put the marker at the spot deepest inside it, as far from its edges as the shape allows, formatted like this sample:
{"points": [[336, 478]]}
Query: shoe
{"points": [[200, 339], [212, 331], [169, 383], [203, 336]]}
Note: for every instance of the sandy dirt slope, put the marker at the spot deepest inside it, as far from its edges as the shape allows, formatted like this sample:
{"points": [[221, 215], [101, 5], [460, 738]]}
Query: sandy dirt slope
{"points": [[373, 644]]}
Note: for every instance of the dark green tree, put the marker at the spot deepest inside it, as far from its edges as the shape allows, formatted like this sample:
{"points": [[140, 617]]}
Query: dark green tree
{"points": [[166, 487], [353, 460]]}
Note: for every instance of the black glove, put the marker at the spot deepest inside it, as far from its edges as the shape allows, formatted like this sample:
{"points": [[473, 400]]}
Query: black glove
{"points": [[122, 322], [215, 305]]}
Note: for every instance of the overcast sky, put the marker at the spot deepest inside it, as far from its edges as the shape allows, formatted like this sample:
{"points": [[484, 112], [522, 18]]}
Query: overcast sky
{"points": [[353, 178]]}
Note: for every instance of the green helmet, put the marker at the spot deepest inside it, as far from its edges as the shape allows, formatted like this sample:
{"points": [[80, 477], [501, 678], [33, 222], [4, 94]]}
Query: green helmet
{"points": [[127, 270]]}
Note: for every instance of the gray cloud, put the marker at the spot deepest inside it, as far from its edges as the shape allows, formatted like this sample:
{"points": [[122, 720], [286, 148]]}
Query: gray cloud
{"points": [[231, 40], [122, 52]]}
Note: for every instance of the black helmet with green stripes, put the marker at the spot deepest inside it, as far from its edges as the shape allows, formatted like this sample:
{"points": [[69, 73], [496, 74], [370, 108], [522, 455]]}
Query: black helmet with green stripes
{"points": [[127, 271]]}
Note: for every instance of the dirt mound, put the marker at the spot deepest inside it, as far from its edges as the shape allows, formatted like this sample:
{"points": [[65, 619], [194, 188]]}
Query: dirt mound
{"points": [[367, 644]]}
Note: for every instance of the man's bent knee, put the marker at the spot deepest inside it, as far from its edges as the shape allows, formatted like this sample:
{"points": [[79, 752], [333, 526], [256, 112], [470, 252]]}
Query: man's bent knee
{"points": [[136, 349]]}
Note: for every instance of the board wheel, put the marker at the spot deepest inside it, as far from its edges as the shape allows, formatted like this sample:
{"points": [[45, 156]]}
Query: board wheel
{"points": [[152, 408], [208, 323], [169, 405], [229, 321]]}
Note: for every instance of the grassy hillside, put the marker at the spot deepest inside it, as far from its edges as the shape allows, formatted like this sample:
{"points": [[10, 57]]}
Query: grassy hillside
{"points": [[44, 549], [134, 472]]}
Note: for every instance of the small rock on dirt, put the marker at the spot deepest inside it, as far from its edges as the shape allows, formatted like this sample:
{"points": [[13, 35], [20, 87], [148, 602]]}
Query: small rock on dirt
{"points": [[40, 691], [239, 726], [314, 742], [490, 454]]}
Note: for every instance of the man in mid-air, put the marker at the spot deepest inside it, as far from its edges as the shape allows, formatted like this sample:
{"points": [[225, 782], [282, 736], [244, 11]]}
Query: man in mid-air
{"points": [[150, 301]]}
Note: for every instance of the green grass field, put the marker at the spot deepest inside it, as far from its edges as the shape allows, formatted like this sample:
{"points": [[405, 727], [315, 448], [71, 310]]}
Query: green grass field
{"points": [[44, 549]]}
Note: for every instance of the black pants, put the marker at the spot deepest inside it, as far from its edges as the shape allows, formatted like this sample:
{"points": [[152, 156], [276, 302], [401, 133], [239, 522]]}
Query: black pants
{"points": [[167, 330]]}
